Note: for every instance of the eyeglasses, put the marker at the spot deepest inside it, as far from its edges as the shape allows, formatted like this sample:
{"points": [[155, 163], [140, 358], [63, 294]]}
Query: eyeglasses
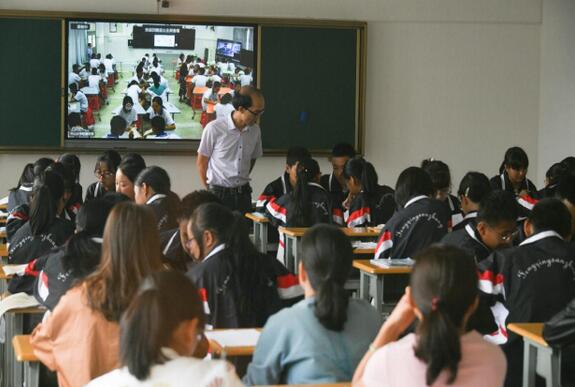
{"points": [[256, 113], [99, 174]]}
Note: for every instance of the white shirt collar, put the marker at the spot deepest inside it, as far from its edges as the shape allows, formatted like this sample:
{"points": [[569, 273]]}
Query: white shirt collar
{"points": [[155, 197], [413, 200], [214, 251], [541, 235]]}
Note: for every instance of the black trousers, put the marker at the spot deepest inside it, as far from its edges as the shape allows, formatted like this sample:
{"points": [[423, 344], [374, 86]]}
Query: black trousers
{"points": [[236, 199]]}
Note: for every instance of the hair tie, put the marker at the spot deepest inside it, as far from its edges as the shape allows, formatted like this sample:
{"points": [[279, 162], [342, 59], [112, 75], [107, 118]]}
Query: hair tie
{"points": [[434, 303]]}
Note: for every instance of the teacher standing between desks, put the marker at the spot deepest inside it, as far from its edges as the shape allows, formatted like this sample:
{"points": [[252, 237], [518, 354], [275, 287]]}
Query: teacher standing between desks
{"points": [[229, 148]]}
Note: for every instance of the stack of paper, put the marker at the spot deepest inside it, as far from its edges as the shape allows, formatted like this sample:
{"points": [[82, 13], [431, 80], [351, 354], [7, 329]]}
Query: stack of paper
{"points": [[395, 262]]}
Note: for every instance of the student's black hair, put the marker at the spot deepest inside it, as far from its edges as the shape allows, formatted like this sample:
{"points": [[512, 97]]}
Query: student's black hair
{"points": [[127, 100], [158, 179], [134, 82], [566, 189], [131, 166], [74, 119], [226, 98], [111, 158], [412, 182], [47, 192], [439, 173], [26, 177], [475, 186], [555, 173], [364, 172], [307, 171], [515, 158], [343, 149], [296, 154], [73, 162], [444, 287], [569, 163], [496, 207], [550, 214], [82, 254], [165, 300], [193, 200], [158, 124], [242, 257], [327, 256], [118, 125]]}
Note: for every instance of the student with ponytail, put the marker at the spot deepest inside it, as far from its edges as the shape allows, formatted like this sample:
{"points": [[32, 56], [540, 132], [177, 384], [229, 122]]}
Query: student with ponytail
{"points": [[237, 283], [44, 230], [367, 203], [442, 296], [322, 338], [153, 188]]}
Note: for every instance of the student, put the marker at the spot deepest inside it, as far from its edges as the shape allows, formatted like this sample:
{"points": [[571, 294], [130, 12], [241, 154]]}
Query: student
{"points": [[530, 282], [130, 252], [158, 131], [322, 338], [224, 108], [21, 193], [494, 227], [441, 179], [442, 351], [74, 75], [128, 170], [552, 178], [105, 171], [172, 325], [286, 182], [71, 263], [127, 112], [44, 231], [367, 203], [158, 109], [246, 79], [419, 221], [174, 242], [472, 189], [152, 188], [199, 80], [513, 178], [334, 183], [118, 126], [210, 96]]}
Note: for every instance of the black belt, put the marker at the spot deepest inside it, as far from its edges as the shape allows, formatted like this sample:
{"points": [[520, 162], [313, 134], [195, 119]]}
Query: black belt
{"points": [[232, 190]]}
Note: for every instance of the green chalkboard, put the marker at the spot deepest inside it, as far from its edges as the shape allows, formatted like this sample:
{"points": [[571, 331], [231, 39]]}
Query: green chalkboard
{"points": [[309, 78], [31, 65]]}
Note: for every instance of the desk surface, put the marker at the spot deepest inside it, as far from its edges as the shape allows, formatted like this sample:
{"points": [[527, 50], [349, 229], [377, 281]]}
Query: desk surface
{"points": [[23, 348], [368, 267], [257, 217], [358, 232], [532, 331]]}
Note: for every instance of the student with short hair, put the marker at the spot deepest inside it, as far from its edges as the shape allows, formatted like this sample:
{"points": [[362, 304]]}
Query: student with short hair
{"points": [[419, 221], [322, 338], [126, 174], [494, 227], [224, 108], [472, 189], [367, 203], [530, 282], [153, 188], [105, 171], [158, 110], [442, 295], [158, 131], [334, 183], [129, 254], [441, 179]]}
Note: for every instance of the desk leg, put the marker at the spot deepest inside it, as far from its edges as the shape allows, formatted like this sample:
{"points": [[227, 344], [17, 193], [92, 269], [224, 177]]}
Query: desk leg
{"points": [[529, 363], [31, 374]]}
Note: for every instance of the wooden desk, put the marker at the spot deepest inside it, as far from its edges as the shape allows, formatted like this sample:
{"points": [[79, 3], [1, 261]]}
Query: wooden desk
{"points": [[372, 274], [25, 355], [260, 230], [538, 357]]}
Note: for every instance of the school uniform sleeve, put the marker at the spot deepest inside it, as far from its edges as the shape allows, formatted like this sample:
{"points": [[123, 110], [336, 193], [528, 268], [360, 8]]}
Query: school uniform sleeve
{"points": [[560, 330]]}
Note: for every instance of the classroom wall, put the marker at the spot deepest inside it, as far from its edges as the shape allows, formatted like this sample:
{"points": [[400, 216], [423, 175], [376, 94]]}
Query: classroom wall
{"points": [[557, 112], [459, 77]]}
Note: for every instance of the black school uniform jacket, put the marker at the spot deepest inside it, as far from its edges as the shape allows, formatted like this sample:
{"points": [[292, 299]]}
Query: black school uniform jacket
{"points": [[526, 202], [173, 250], [16, 219], [338, 195], [371, 210], [25, 248], [528, 283], [159, 203], [468, 240], [421, 222], [95, 191], [19, 196], [214, 277], [273, 191], [455, 214]]}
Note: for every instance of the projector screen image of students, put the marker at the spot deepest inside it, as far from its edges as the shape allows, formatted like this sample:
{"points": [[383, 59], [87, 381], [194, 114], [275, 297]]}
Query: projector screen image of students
{"points": [[127, 85]]}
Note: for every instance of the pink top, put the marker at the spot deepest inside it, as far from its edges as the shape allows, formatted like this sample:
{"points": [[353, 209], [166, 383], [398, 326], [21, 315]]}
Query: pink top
{"points": [[482, 364]]}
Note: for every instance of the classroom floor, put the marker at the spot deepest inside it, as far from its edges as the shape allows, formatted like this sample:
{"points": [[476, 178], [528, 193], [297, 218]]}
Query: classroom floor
{"points": [[185, 127]]}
